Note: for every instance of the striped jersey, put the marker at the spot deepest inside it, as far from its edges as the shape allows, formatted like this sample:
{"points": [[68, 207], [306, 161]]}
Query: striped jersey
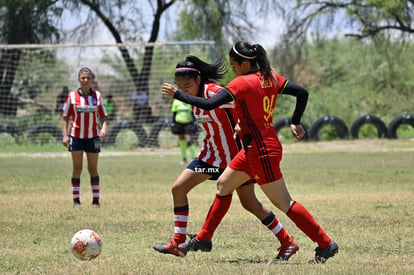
{"points": [[219, 146], [86, 112]]}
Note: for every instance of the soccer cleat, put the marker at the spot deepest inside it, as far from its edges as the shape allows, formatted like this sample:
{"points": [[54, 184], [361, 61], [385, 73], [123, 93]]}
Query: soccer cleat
{"points": [[95, 203], [287, 250], [171, 248], [76, 204], [194, 245], [322, 255]]}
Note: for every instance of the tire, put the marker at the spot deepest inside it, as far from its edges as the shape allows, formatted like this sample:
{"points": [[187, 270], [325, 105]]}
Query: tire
{"points": [[9, 129], [397, 122], [137, 128], [157, 126], [340, 126], [369, 119], [285, 122], [51, 129]]}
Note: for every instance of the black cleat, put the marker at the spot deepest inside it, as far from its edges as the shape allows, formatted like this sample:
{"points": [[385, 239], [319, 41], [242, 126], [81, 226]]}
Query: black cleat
{"points": [[76, 203], [322, 255], [194, 245], [95, 203]]}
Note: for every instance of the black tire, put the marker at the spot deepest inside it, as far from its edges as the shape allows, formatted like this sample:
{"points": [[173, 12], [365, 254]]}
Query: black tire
{"points": [[397, 122], [285, 122], [340, 126], [369, 119], [136, 127], [157, 126], [9, 129], [51, 129]]}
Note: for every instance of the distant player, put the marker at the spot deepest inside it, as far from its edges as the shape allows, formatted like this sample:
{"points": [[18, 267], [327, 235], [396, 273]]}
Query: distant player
{"points": [[86, 110]]}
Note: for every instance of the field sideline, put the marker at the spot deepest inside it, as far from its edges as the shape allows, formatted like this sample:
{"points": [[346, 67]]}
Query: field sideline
{"points": [[361, 192]]}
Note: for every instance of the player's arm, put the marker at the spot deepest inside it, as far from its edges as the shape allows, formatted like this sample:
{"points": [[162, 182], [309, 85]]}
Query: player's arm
{"points": [[222, 97], [301, 95]]}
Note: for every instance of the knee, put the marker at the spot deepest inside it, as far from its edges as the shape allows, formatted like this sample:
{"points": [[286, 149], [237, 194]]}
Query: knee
{"points": [[177, 190], [248, 205]]}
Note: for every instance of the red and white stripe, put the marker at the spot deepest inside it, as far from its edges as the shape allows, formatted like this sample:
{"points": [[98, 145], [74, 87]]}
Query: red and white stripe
{"points": [[219, 146], [86, 112]]}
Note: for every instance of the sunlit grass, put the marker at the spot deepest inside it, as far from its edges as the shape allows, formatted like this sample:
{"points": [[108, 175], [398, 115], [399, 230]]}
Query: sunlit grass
{"points": [[361, 193]]}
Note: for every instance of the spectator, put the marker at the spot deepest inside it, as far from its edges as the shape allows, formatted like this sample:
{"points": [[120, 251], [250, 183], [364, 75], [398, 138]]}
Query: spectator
{"points": [[110, 107], [60, 99], [184, 126], [140, 105]]}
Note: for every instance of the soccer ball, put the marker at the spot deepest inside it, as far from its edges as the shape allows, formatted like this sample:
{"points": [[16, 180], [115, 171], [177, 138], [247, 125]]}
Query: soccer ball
{"points": [[86, 245]]}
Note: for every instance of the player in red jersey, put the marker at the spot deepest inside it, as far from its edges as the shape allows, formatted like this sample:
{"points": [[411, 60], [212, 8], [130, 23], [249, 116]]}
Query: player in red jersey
{"points": [[86, 109], [195, 77], [254, 91]]}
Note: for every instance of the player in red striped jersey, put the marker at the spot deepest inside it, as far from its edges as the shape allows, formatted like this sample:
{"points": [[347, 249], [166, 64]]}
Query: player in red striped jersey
{"points": [[197, 78], [86, 109], [254, 91]]}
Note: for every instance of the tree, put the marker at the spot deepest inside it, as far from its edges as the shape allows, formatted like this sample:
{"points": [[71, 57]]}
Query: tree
{"points": [[222, 21], [103, 10], [369, 17], [23, 22]]}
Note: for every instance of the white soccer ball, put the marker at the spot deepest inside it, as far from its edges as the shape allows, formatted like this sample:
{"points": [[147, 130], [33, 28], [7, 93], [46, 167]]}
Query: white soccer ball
{"points": [[86, 245]]}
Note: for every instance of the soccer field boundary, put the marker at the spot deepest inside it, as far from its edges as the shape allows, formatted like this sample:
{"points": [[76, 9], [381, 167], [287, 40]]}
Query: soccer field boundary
{"points": [[379, 145]]}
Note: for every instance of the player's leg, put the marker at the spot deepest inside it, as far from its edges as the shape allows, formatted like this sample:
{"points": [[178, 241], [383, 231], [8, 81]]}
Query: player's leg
{"points": [[279, 195], [183, 147], [186, 181], [77, 162], [92, 159], [227, 183], [249, 201]]}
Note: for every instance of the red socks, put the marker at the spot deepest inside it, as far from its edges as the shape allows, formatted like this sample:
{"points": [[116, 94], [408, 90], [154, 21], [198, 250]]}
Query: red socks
{"points": [[180, 224], [75, 189], [305, 222], [216, 213], [273, 224], [95, 187]]}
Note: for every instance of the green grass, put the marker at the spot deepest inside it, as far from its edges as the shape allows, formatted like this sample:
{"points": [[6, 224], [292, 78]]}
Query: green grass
{"points": [[361, 192]]}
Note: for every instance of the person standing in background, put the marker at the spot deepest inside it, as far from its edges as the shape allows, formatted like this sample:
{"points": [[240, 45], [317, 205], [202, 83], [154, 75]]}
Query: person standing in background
{"points": [[86, 109], [110, 107], [184, 126], [60, 99]]}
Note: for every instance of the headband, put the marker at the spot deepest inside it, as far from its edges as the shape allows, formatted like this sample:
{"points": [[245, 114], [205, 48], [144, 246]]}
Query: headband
{"points": [[187, 69], [242, 55]]}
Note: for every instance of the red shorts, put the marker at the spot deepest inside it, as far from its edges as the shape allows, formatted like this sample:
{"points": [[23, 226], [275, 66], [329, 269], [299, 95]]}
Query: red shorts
{"points": [[264, 168]]}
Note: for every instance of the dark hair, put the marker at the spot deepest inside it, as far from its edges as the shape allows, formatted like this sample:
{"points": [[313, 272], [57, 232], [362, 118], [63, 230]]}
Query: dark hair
{"points": [[255, 54], [86, 69], [193, 66]]}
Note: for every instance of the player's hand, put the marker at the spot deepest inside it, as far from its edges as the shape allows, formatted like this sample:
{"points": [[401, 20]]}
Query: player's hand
{"points": [[297, 131], [65, 141], [102, 135], [168, 89], [237, 130]]}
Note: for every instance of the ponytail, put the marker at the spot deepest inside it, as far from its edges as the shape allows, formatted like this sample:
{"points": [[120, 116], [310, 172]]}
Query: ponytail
{"points": [[264, 63], [256, 55]]}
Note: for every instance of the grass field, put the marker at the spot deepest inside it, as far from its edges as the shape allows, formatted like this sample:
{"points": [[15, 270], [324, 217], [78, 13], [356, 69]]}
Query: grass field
{"points": [[361, 192]]}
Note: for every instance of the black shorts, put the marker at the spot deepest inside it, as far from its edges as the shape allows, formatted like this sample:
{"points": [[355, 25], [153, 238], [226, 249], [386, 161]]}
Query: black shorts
{"points": [[184, 129], [199, 166], [89, 145]]}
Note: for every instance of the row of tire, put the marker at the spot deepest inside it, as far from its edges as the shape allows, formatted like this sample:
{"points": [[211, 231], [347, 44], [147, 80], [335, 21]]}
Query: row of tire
{"points": [[342, 130], [144, 139]]}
